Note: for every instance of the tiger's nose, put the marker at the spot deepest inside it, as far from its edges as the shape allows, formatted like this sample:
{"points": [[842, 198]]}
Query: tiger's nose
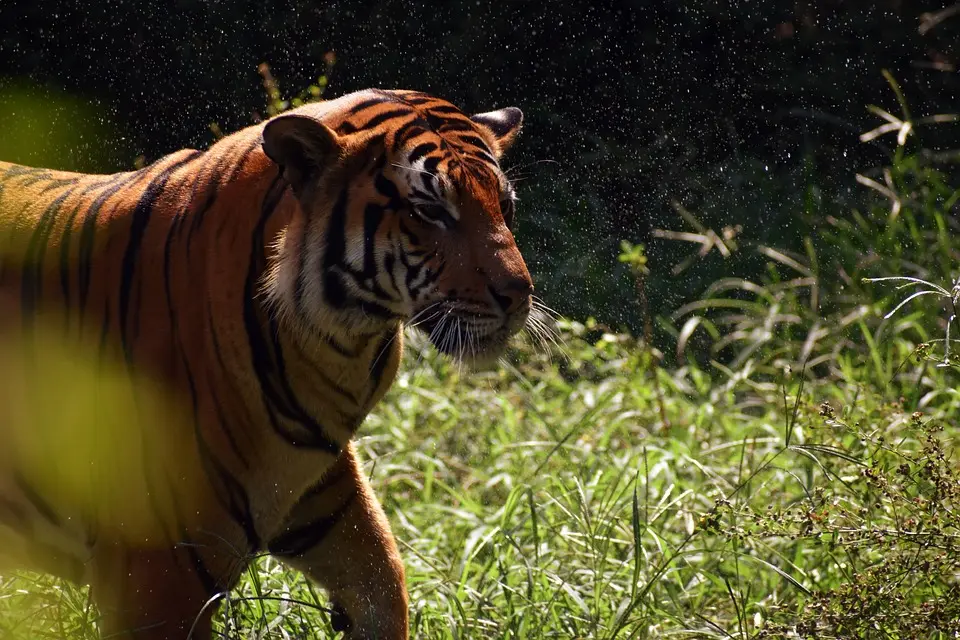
{"points": [[513, 296]]}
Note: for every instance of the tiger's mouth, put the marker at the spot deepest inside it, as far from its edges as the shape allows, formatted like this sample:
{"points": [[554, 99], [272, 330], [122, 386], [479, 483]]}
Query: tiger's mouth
{"points": [[473, 336]]}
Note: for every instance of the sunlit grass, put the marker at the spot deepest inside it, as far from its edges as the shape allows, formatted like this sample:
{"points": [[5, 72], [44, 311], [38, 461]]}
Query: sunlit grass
{"points": [[794, 476], [548, 501]]}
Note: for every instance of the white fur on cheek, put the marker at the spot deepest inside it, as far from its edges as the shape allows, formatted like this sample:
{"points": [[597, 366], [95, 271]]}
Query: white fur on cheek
{"points": [[312, 276], [354, 254], [279, 282]]}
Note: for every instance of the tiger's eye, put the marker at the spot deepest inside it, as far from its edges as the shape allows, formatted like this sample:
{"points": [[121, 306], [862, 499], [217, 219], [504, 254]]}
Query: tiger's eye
{"points": [[435, 214], [506, 210]]}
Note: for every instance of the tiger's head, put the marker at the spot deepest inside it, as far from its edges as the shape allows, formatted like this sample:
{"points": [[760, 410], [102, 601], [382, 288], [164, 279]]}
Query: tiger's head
{"points": [[404, 216]]}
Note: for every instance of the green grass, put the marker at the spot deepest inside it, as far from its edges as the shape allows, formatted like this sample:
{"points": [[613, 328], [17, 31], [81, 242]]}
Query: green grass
{"points": [[790, 474], [547, 499]]}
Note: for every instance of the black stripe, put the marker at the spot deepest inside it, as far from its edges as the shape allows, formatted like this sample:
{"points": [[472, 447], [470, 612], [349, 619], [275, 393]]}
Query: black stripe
{"points": [[211, 180], [387, 188], [226, 160], [321, 375], [366, 104], [431, 274], [318, 438], [477, 141], [374, 148], [447, 125], [57, 183], [420, 151], [379, 364], [42, 506], [40, 176], [428, 279], [65, 267], [402, 95], [374, 309], [86, 244], [210, 584], [236, 501], [221, 414], [447, 109], [172, 231], [413, 272], [31, 282], [17, 170], [300, 288], [419, 99], [140, 218], [331, 342], [297, 541], [14, 516], [423, 195], [386, 116], [230, 493], [334, 291], [435, 212], [329, 478], [336, 234], [389, 264], [484, 156], [409, 130], [225, 423], [265, 351], [412, 238], [430, 166], [372, 217]]}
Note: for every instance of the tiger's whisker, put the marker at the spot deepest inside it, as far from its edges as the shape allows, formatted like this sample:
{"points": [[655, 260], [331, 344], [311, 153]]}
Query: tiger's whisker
{"points": [[530, 164], [414, 169]]}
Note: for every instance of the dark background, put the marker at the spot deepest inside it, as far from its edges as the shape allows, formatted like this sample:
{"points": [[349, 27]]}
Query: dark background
{"points": [[747, 114]]}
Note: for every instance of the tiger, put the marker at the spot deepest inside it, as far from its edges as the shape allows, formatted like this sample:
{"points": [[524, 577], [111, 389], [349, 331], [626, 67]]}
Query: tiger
{"points": [[262, 287]]}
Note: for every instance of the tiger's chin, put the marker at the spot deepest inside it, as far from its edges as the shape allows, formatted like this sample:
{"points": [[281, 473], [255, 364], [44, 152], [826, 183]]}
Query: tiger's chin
{"points": [[474, 352], [482, 357]]}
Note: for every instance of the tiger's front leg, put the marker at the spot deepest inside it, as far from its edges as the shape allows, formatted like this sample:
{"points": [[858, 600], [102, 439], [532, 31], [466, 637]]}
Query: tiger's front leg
{"points": [[339, 536]]}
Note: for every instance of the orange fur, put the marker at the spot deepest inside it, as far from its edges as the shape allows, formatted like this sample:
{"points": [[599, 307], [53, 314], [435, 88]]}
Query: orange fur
{"points": [[250, 307]]}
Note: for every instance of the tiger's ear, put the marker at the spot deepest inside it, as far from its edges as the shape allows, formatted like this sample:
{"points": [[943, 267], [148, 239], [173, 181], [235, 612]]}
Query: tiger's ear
{"points": [[504, 124], [302, 147]]}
